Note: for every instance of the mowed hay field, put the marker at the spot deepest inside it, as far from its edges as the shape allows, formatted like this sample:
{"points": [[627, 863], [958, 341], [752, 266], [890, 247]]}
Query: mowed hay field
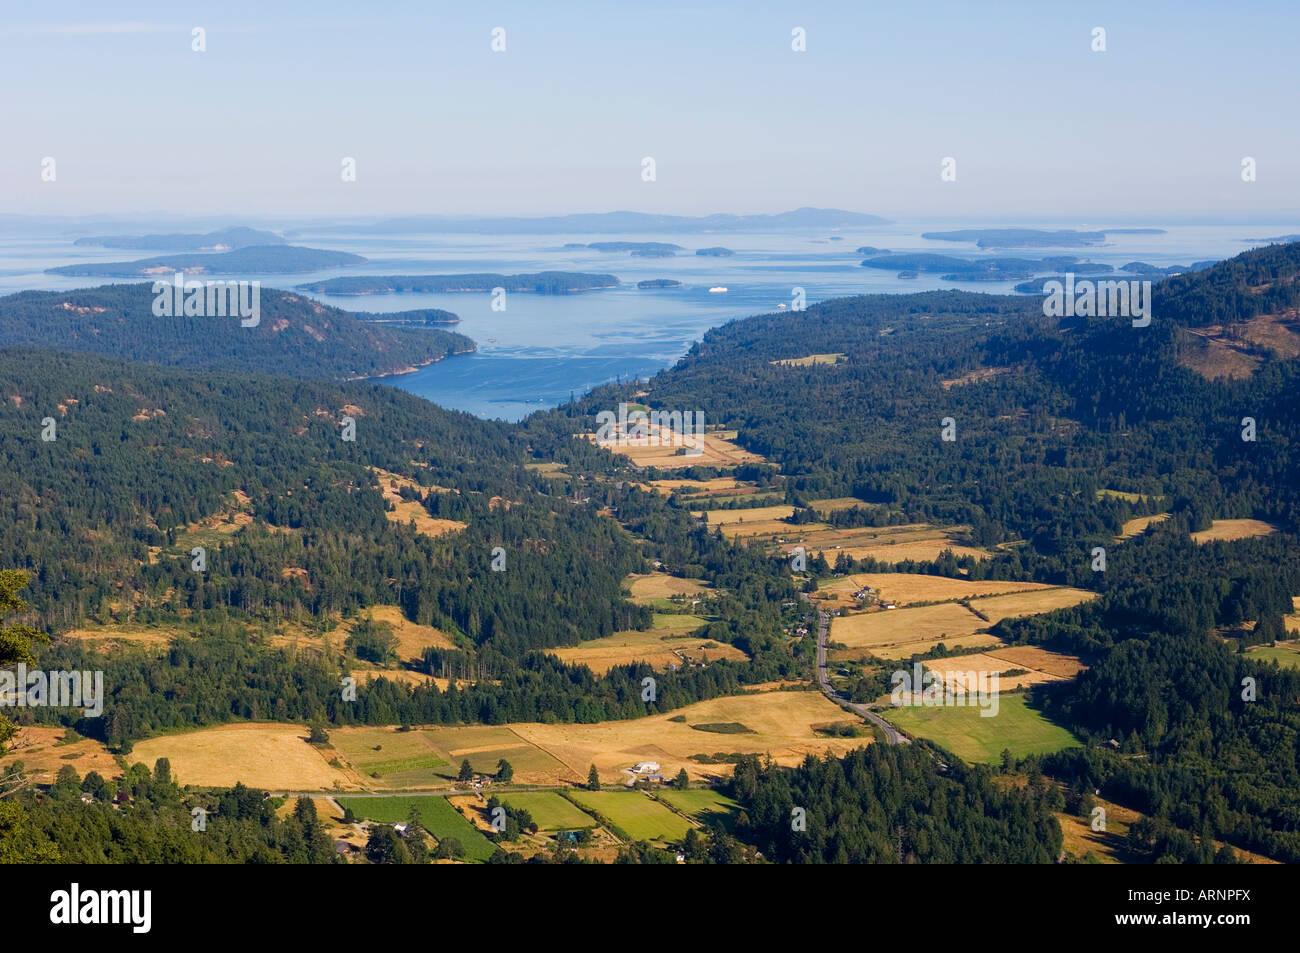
{"points": [[755, 521], [718, 486], [652, 587], [398, 757], [888, 544], [633, 813], [1056, 664], [1292, 622], [964, 732], [1019, 604], [901, 633], [1234, 529], [42, 751], [431, 756], [437, 816], [895, 626], [903, 588], [665, 450], [781, 722], [662, 645], [961, 673], [263, 755], [1138, 525], [551, 811]]}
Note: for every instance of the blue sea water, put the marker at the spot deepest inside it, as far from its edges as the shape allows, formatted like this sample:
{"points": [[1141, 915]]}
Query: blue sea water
{"points": [[542, 349]]}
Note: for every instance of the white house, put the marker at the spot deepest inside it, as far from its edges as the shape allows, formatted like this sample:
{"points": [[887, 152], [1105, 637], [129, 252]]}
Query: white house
{"points": [[646, 767]]}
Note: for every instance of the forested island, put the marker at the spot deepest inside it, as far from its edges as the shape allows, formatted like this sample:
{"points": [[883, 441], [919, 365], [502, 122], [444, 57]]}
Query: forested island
{"points": [[225, 239], [544, 282], [614, 223], [251, 260], [982, 269], [294, 336], [1033, 237], [639, 249], [1133, 270], [416, 317], [659, 283], [716, 251]]}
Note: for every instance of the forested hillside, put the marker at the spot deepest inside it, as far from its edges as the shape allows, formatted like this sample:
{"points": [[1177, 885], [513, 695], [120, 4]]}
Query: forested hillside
{"points": [[294, 335], [1065, 430], [103, 517]]}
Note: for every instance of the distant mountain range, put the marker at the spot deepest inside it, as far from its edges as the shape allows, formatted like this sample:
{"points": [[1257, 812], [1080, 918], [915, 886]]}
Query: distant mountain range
{"points": [[610, 222]]}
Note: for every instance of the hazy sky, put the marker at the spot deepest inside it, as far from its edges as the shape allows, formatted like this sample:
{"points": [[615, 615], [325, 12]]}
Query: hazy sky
{"points": [[1042, 127]]}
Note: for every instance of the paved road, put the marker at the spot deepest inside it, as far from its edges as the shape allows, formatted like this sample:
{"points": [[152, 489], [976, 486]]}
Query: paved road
{"points": [[427, 792], [892, 734]]}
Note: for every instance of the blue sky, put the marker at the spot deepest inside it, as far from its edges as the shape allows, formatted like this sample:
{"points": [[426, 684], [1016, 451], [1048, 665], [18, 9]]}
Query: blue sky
{"points": [[1042, 128]]}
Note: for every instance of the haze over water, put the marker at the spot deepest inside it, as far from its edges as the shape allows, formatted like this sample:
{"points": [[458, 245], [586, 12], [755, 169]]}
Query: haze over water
{"points": [[544, 348]]}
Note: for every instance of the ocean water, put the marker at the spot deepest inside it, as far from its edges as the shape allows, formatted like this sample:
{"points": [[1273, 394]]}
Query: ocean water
{"points": [[541, 349]]}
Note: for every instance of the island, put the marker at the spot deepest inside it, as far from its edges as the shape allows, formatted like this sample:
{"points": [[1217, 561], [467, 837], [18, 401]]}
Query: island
{"points": [[716, 251], [544, 282], [1033, 237], [659, 283], [639, 249], [293, 336], [417, 317], [1133, 270], [612, 223], [226, 239], [982, 269], [254, 260]]}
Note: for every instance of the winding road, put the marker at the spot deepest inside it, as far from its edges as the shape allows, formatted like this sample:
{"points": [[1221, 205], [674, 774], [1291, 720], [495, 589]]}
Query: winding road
{"points": [[892, 734]]}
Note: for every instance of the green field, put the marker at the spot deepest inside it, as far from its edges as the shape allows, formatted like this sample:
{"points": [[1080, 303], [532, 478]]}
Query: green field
{"points": [[1286, 657], [707, 807], [403, 758], [551, 811], [427, 757], [437, 816], [974, 738], [634, 814]]}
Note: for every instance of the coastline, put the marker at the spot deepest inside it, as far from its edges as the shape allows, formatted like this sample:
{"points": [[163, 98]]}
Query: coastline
{"points": [[411, 368]]}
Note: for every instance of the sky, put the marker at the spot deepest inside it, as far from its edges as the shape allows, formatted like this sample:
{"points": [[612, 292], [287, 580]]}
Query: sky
{"points": [[1042, 127]]}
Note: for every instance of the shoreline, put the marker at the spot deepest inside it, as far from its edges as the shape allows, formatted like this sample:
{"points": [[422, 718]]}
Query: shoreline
{"points": [[411, 369]]}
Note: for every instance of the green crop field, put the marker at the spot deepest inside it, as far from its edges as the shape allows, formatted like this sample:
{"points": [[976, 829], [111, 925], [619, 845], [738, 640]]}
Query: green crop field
{"points": [[551, 811], [436, 816], [707, 807], [397, 758], [973, 738], [1285, 656], [634, 814]]}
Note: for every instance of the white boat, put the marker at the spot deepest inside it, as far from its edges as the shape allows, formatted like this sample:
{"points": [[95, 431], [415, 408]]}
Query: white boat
{"points": [[717, 290]]}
